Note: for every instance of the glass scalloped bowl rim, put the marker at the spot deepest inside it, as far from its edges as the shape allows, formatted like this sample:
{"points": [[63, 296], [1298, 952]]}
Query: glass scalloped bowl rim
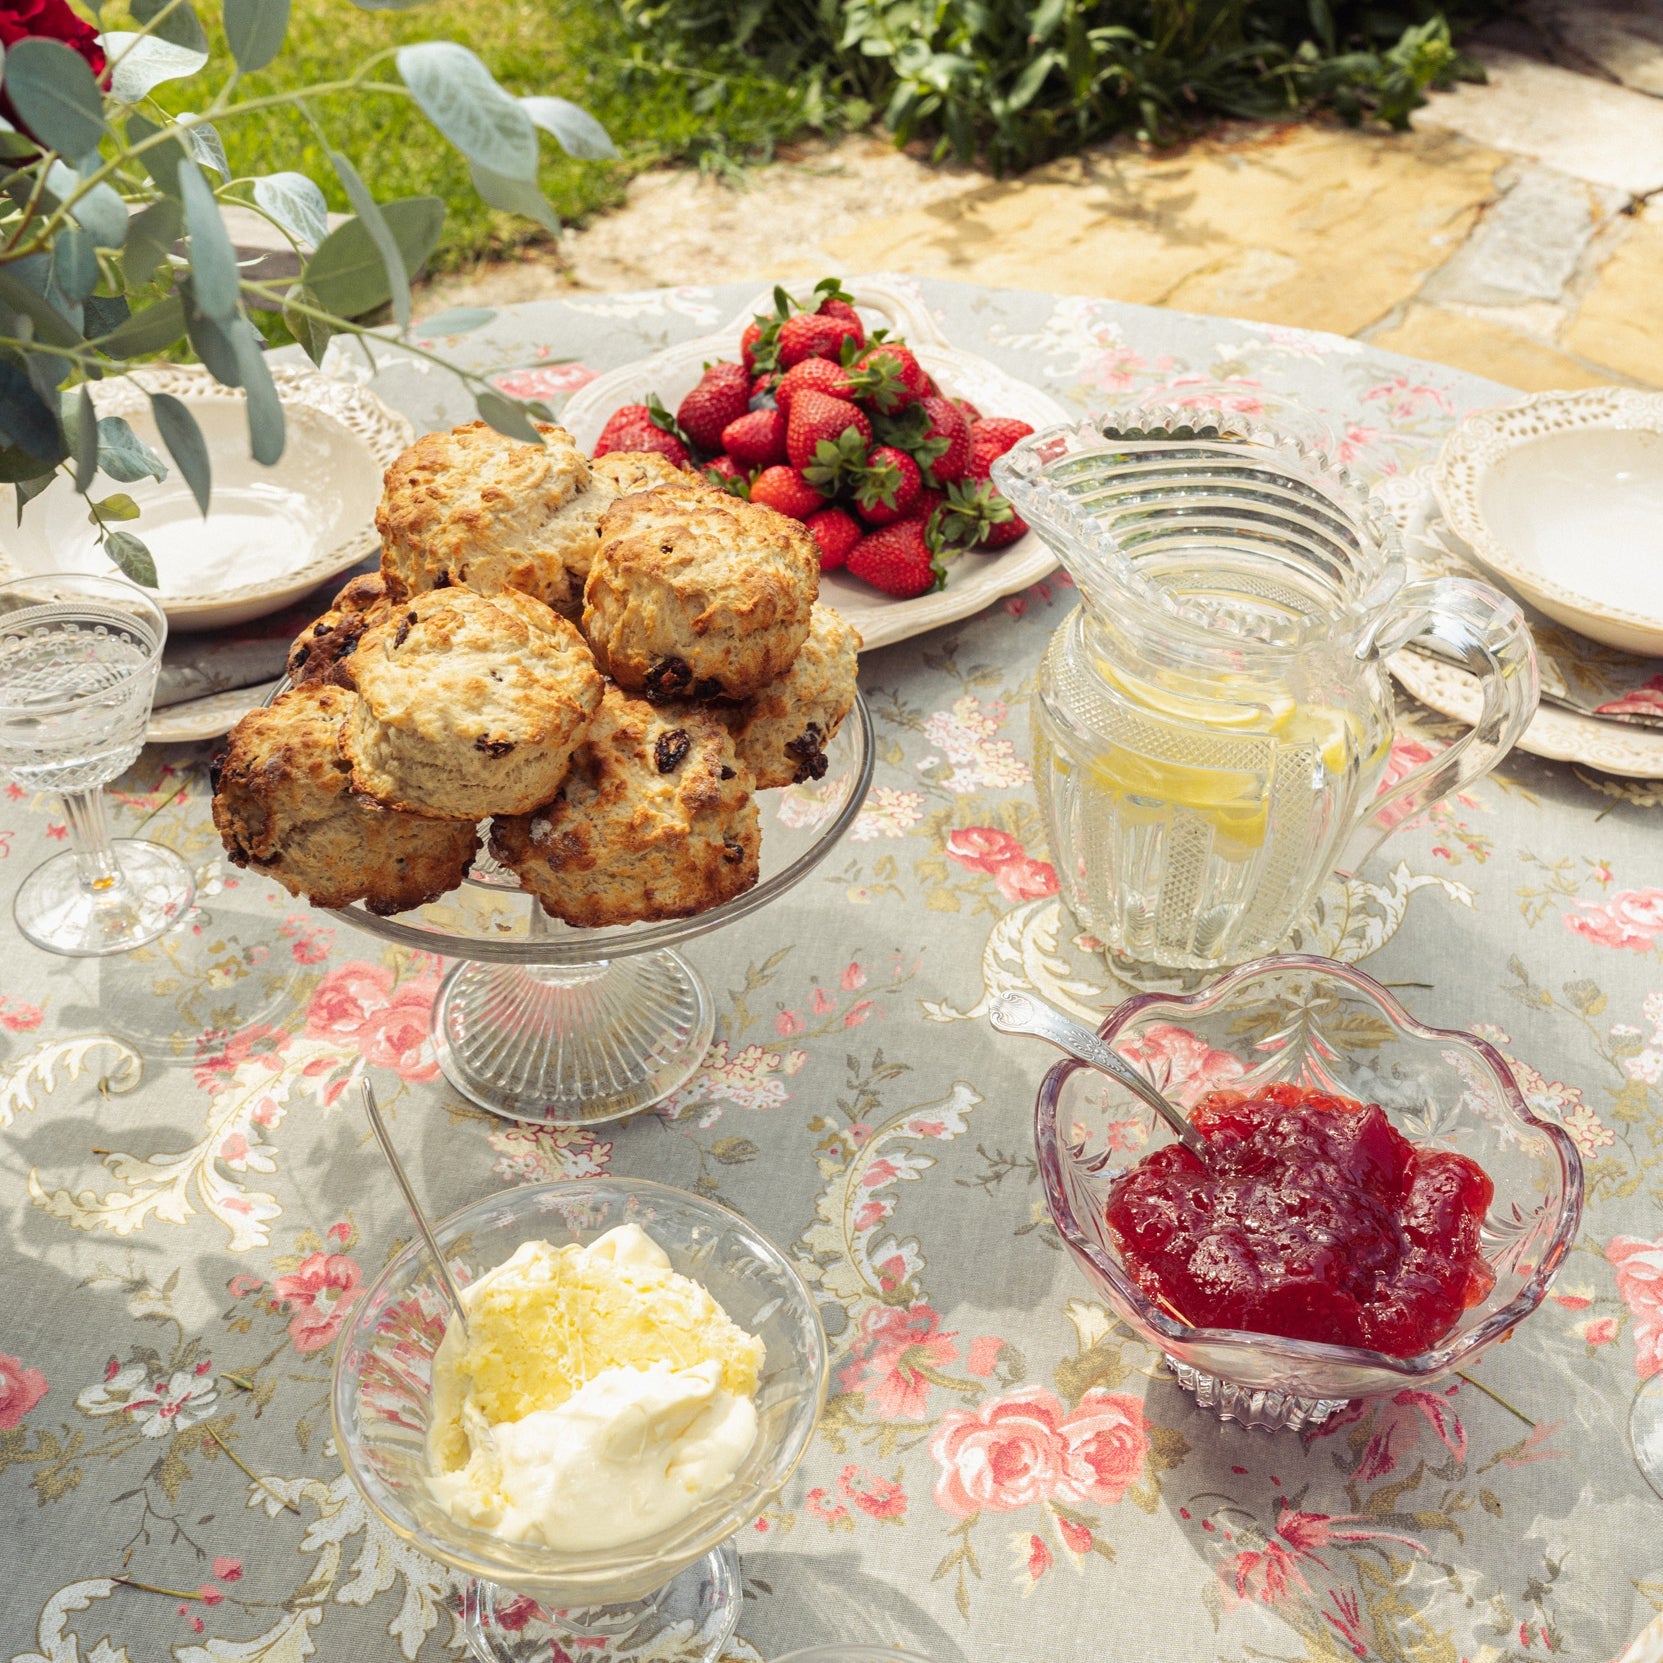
{"points": [[584, 947], [522, 1566], [1439, 1360]]}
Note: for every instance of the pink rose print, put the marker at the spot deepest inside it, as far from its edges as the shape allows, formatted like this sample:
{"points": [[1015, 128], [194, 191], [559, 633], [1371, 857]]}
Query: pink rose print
{"points": [[1640, 1283], [20, 1390], [359, 1004], [319, 1294], [1180, 1063], [890, 1357], [1631, 918], [1036, 1560], [788, 1023], [219, 1054], [852, 979], [1406, 756], [880, 1498], [544, 380], [987, 849], [1637, 701], [1005, 1455], [228, 1570], [1105, 1440], [19, 1017]]}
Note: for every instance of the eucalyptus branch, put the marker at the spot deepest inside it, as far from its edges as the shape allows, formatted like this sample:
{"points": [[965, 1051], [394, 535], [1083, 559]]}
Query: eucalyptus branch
{"points": [[146, 30], [32, 206]]}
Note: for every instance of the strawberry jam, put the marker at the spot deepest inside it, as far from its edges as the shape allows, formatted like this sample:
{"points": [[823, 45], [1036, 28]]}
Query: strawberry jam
{"points": [[1315, 1219]]}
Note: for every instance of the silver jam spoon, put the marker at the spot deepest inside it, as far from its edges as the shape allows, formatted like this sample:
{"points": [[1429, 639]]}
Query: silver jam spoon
{"points": [[402, 1178], [1021, 1013]]}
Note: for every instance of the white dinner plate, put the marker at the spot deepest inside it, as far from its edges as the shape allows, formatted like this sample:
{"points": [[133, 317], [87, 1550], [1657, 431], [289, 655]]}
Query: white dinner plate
{"points": [[271, 534], [973, 580], [1561, 494]]}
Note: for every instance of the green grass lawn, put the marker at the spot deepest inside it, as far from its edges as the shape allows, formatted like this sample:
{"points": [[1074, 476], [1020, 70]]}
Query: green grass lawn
{"points": [[576, 49]]}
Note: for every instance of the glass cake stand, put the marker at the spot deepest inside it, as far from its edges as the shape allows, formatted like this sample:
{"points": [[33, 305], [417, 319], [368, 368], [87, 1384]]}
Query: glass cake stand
{"points": [[557, 1026]]}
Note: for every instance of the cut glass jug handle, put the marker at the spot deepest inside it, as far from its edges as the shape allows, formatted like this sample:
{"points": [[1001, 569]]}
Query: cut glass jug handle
{"points": [[1481, 630]]}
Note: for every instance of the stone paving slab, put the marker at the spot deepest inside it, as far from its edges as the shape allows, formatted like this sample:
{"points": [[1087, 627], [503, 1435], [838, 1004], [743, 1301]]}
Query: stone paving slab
{"points": [[1585, 127], [1620, 320], [1619, 38]]}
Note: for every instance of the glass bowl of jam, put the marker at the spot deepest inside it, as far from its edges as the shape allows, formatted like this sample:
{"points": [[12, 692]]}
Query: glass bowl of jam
{"points": [[1377, 1192]]}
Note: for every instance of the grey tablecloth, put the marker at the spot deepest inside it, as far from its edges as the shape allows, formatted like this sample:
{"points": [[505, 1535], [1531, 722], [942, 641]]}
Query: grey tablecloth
{"points": [[1002, 1473]]}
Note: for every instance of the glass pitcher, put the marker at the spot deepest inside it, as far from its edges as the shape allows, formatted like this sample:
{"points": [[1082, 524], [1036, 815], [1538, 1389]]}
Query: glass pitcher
{"points": [[1212, 726]]}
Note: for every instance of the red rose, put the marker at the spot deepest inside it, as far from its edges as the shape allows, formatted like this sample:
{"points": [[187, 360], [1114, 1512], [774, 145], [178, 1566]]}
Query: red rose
{"points": [[47, 20]]}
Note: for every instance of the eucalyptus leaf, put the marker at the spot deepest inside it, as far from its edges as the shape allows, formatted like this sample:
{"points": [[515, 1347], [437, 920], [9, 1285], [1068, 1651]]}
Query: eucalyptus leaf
{"points": [[507, 417], [102, 314], [185, 445], [28, 489], [98, 210], [514, 196], [151, 234], [296, 204], [348, 276], [254, 30], [153, 329], [50, 325], [118, 506], [74, 263], [55, 95], [129, 553], [181, 26], [214, 280], [162, 160], [16, 465], [26, 420], [459, 96], [265, 408], [144, 62], [213, 342], [313, 334], [80, 425], [380, 233], [573, 128], [125, 457], [208, 147]]}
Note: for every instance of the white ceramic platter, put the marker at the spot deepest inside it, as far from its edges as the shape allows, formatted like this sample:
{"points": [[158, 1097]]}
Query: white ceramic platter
{"points": [[207, 717], [1561, 494], [973, 580], [270, 535], [1558, 734]]}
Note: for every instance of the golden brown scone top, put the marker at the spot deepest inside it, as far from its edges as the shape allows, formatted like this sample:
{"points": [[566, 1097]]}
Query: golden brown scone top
{"points": [[320, 648], [655, 820], [474, 508], [468, 706], [283, 806], [698, 593]]}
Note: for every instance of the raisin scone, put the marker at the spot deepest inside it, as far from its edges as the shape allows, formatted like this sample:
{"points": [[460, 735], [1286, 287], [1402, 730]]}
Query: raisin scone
{"points": [[695, 593], [319, 651], [655, 820], [284, 806], [782, 732], [620, 473], [467, 706], [474, 508]]}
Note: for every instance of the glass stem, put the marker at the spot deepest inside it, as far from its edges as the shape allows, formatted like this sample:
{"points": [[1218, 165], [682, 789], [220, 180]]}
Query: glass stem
{"points": [[89, 836]]}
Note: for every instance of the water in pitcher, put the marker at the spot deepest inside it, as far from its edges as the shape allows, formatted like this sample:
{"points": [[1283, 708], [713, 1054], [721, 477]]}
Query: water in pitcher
{"points": [[75, 686]]}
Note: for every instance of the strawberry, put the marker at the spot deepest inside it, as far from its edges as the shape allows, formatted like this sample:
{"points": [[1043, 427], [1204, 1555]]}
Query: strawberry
{"points": [[786, 489], [756, 440], [724, 395], [808, 335], [949, 429], [889, 486], [748, 344], [820, 374], [967, 409], [928, 501], [1004, 531], [834, 306], [997, 433], [724, 471], [644, 436], [836, 533], [626, 415], [896, 559], [817, 419], [975, 513], [888, 377], [763, 390]]}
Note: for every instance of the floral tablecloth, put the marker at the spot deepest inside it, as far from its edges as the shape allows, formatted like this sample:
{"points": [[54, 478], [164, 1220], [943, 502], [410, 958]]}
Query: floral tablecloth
{"points": [[190, 1203]]}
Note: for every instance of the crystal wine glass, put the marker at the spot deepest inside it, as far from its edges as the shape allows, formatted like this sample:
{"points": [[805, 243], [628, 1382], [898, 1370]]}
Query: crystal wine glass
{"points": [[78, 662], [672, 1597], [1645, 1431], [852, 1654]]}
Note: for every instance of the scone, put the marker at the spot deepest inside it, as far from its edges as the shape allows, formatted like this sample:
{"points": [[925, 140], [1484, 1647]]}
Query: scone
{"points": [[320, 649], [620, 473], [655, 820], [698, 594], [472, 507], [467, 706], [781, 734], [284, 806]]}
